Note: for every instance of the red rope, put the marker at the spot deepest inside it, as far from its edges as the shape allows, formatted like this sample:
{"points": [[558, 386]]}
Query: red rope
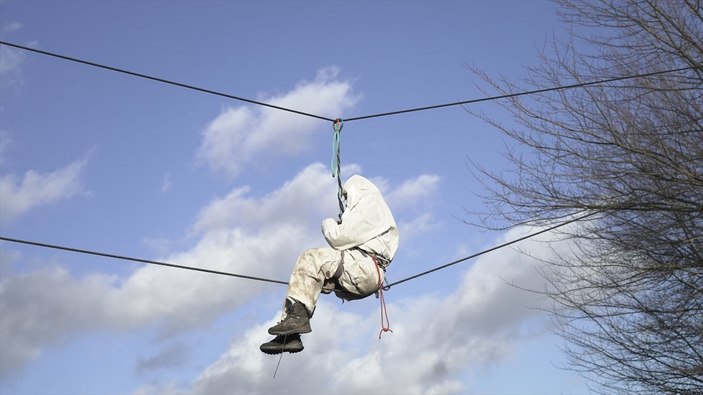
{"points": [[385, 321]]}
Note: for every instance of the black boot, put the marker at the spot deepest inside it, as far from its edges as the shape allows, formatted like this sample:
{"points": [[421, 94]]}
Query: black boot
{"points": [[297, 321], [280, 344]]}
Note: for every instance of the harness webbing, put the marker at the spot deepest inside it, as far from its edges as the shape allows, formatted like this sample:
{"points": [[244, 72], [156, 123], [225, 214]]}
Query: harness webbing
{"points": [[337, 126]]}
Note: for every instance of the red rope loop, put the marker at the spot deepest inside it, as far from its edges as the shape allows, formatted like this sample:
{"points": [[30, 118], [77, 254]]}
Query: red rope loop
{"points": [[385, 321]]}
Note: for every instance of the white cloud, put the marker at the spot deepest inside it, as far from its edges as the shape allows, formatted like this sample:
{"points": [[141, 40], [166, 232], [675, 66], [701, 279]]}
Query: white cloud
{"points": [[416, 193], [418, 226], [44, 307], [290, 203], [236, 136], [435, 340], [41, 307], [4, 144], [436, 343], [167, 183], [36, 189], [11, 61], [414, 190], [255, 241], [12, 27]]}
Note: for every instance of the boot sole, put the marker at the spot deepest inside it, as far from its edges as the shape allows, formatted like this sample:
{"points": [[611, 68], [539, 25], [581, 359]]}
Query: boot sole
{"points": [[276, 351]]}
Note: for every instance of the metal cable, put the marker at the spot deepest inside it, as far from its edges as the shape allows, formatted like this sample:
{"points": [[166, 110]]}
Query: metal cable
{"points": [[122, 257], [524, 93], [165, 81], [529, 236], [140, 260], [384, 114]]}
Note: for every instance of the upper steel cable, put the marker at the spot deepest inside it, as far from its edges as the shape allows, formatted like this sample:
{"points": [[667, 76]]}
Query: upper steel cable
{"points": [[383, 114], [165, 81], [523, 93]]}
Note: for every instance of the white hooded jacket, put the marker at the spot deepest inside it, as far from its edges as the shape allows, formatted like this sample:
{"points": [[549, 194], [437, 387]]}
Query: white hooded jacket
{"points": [[367, 222]]}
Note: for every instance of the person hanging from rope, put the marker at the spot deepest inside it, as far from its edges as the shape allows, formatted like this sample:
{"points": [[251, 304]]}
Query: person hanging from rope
{"points": [[362, 243]]}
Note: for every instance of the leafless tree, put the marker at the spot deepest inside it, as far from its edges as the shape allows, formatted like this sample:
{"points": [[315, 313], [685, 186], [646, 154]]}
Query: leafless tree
{"points": [[629, 298]]}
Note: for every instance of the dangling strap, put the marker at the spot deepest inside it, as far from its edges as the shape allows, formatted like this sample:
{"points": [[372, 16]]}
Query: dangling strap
{"points": [[385, 321], [336, 164], [283, 346]]}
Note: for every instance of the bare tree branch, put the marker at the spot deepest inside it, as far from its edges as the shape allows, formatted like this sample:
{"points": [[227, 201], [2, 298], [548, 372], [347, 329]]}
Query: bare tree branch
{"points": [[629, 296]]}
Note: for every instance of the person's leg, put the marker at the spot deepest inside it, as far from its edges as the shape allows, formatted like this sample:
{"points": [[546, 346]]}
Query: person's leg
{"points": [[313, 268]]}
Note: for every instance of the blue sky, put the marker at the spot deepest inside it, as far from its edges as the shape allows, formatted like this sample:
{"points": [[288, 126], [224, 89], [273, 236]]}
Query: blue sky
{"points": [[108, 162]]}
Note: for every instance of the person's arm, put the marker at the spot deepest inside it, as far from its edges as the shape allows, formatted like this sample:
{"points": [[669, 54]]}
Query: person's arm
{"points": [[359, 224]]}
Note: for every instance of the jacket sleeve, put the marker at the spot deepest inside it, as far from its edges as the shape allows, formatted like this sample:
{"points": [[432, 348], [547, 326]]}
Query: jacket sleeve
{"points": [[359, 224]]}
